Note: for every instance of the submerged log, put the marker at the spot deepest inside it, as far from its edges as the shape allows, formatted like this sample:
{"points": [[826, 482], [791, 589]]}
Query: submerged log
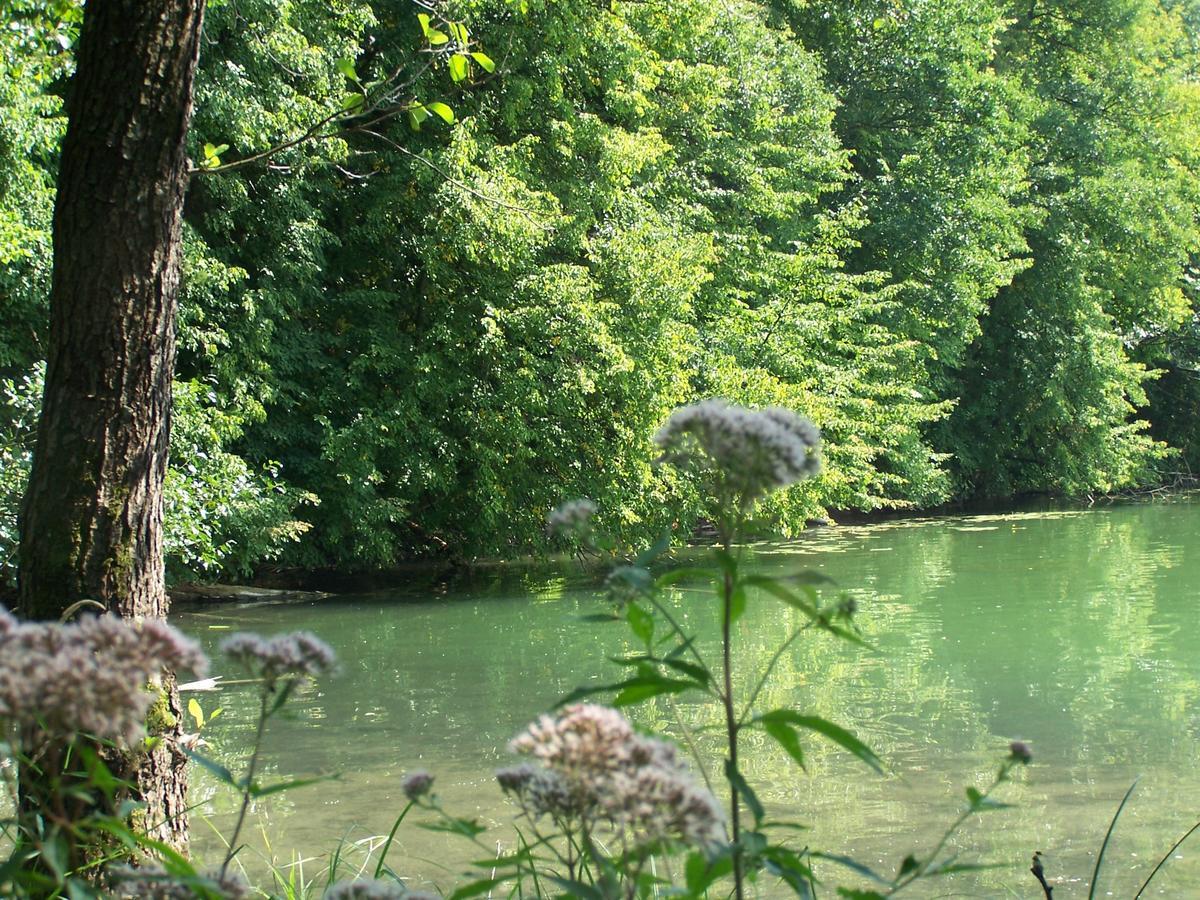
{"points": [[237, 593]]}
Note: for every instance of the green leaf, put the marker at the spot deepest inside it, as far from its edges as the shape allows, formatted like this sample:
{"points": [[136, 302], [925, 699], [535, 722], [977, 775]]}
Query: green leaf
{"points": [[787, 865], [475, 888], [256, 791], [851, 864], [436, 38], [423, 18], [835, 733], [465, 827], [695, 670], [701, 873], [459, 30], [787, 738], [484, 61], [352, 101], [212, 151], [416, 115], [909, 864], [222, 773], [645, 687], [737, 603], [744, 790], [655, 550], [980, 803], [727, 562], [641, 623], [442, 110], [345, 65], [459, 67], [631, 690]]}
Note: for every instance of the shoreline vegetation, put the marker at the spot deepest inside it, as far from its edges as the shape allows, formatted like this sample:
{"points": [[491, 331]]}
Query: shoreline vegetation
{"points": [[285, 585]]}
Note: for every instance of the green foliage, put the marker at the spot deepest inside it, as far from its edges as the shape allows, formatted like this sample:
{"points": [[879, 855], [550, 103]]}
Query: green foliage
{"points": [[447, 268], [222, 516], [20, 403], [1051, 388], [33, 63]]}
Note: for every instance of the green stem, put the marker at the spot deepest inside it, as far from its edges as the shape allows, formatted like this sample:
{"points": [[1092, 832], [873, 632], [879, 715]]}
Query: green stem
{"points": [[762, 682], [923, 867], [731, 724], [247, 787], [691, 744], [675, 626], [387, 845]]}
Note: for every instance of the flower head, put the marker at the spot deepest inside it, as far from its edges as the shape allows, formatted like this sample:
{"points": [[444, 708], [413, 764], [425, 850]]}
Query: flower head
{"points": [[90, 676], [416, 784], [595, 767], [295, 655], [747, 452], [571, 520]]}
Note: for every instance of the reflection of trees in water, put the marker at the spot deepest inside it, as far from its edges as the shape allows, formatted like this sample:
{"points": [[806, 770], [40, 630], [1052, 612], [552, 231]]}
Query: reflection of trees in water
{"points": [[1042, 602]]}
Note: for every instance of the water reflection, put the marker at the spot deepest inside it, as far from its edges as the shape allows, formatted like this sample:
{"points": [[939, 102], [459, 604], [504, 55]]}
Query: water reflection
{"points": [[1073, 630]]}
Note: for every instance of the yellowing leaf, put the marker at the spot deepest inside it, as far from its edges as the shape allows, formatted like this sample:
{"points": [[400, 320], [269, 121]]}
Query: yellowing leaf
{"points": [[441, 109], [196, 713]]}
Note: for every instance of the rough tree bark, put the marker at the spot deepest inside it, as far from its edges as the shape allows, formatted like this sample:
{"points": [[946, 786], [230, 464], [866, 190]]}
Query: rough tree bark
{"points": [[92, 519]]}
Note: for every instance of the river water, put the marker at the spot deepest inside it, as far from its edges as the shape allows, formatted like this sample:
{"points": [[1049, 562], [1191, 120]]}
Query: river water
{"points": [[1075, 630]]}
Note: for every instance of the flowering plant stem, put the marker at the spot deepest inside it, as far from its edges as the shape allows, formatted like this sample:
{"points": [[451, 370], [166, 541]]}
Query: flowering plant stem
{"points": [[731, 724], [978, 802], [248, 783]]}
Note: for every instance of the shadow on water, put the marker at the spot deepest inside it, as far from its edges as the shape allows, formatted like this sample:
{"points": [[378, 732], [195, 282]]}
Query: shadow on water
{"points": [[1075, 630]]}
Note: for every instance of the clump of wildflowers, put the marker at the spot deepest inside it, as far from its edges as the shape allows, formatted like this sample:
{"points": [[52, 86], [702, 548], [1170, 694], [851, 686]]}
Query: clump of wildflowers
{"points": [[747, 452], [595, 769], [416, 784], [296, 655], [371, 889], [87, 677]]}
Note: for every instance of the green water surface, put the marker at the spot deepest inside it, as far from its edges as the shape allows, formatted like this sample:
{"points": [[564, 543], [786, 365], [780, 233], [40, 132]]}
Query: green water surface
{"points": [[1074, 630]]}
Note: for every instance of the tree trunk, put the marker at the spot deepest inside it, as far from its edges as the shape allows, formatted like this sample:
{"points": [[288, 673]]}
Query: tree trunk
{"points": [[92, 519]]}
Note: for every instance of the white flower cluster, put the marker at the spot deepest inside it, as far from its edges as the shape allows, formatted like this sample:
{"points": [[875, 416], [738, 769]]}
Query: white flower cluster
{"points": [[296, 655], [752, 452], [571, 518], [596, 769], [89, 677]]}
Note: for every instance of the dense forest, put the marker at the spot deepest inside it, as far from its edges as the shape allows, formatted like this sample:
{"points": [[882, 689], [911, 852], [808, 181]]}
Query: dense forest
{"points": [[963, 237]]}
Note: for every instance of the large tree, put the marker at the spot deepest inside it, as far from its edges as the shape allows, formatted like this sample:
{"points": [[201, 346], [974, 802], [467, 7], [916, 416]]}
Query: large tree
{"points": [[92, 524]]}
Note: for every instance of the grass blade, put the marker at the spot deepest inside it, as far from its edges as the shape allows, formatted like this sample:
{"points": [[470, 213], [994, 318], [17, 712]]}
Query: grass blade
{"points": [[1162, 862], [1111, 826]]}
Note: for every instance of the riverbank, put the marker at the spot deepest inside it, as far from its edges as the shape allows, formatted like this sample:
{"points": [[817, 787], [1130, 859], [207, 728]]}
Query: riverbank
{"points": [[440, 575]]}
